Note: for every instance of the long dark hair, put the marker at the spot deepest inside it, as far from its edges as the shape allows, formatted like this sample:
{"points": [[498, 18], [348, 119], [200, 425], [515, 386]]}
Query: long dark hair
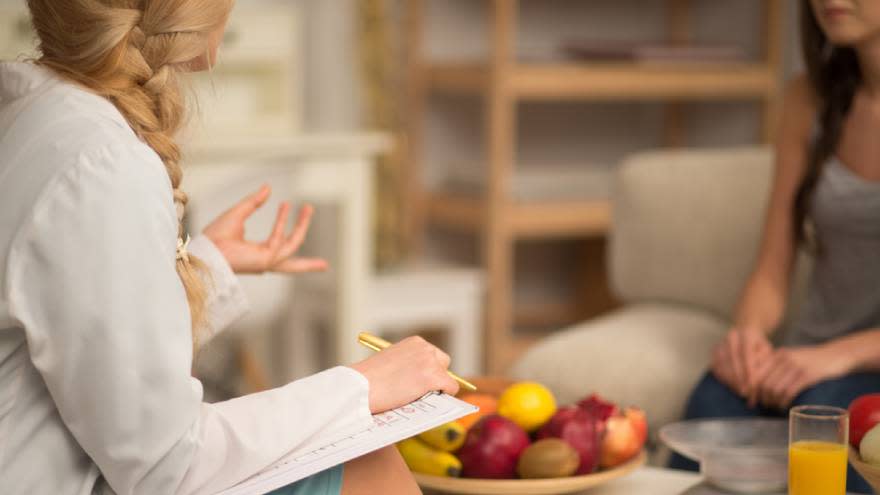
{"points": [[834, 75]]}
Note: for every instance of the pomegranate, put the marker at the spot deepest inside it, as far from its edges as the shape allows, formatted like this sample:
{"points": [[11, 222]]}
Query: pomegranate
{"points": [[492, 448]]}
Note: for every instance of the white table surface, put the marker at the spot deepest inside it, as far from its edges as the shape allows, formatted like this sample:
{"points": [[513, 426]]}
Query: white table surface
{"points": [[651, 481], [656, 481]]}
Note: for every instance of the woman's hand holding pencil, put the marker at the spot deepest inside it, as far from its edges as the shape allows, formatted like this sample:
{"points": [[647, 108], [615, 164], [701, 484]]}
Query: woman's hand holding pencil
{"points": [[405, 371], [377, 344]]}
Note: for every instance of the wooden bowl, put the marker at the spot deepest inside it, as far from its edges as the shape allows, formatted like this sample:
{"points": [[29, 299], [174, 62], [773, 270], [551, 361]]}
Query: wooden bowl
{"points": [[870, 472], [549, 486], [494, 385]]}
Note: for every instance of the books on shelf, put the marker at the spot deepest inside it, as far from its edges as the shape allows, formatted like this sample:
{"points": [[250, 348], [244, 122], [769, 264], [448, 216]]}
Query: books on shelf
{"points": [[539, 183], [652, 52]]}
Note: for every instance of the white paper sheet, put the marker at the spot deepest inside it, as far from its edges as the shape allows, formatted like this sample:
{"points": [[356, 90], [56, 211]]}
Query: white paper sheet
{"points": [[390, 427]]}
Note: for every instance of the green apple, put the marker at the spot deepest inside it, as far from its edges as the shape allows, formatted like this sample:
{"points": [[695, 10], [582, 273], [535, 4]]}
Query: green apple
{"points": [[870, 446]]}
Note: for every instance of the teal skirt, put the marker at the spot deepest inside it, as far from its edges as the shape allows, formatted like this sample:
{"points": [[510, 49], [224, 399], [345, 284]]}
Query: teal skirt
{"points": [[327, 482]]}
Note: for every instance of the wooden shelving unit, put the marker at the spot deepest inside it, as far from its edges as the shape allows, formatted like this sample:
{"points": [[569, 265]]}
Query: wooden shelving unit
{"points": [[503, 82], [523, 220], [609, 81]]}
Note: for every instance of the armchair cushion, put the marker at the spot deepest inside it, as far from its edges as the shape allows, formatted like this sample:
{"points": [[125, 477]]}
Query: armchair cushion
{"points": [[687, 225], [646, 355]]}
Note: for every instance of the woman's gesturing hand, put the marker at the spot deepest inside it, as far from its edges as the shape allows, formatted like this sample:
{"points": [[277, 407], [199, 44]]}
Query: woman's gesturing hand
{"points": [[404, 372], [738, 359], [275, 254]]}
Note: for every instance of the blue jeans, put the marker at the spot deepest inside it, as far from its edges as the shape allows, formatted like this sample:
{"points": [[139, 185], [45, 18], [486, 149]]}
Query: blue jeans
{"points": [[713, 399]]}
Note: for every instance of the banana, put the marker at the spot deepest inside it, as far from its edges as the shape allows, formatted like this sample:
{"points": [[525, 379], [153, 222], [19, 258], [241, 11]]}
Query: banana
{"points": [[423, 459], [448, 437]]}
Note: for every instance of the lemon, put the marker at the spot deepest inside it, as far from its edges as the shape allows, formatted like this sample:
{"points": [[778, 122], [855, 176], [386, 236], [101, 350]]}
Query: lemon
{"points": [[528, 404]]}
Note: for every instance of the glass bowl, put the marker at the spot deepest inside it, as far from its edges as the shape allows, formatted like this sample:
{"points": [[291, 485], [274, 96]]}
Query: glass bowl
{"points": [[741, 455]]}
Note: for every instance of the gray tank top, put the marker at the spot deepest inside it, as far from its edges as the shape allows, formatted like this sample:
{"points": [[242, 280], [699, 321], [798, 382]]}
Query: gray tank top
{"points": [[843, 294]]}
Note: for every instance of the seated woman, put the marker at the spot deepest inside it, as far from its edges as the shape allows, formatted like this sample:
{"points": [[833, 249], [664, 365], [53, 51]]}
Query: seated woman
{"points": [[826, 196], [102, 301]]}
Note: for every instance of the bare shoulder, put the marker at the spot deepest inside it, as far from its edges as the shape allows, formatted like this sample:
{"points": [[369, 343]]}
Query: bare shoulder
{"points": [[800, 99], [799, 109]]}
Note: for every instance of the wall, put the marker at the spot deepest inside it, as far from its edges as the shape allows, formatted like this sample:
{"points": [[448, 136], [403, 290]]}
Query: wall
{"points": [[332, 96], [332, 93], [332, 71]]}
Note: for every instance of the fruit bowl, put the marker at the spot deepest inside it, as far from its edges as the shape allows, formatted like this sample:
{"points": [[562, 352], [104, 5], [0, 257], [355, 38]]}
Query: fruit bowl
{"points": [[494, 386], [742, 455], [870, 472], [550, 486]]}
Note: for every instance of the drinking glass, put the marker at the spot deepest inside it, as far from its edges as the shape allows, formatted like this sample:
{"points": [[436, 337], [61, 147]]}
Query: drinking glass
{"points": [[817, 450]]}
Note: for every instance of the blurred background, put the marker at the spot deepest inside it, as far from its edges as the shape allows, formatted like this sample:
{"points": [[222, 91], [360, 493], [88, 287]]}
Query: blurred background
{"points": [[461, 155]]}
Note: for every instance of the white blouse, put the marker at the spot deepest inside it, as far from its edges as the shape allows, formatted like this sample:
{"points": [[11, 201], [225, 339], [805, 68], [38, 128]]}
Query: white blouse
{"points": [[96, 394]]}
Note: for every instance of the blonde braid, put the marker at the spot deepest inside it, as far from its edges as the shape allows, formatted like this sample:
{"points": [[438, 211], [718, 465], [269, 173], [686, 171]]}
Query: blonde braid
{"points": [[152, 58], [133, 52]]}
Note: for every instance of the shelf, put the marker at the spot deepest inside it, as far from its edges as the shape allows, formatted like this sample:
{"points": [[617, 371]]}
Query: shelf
{"points": [[455, 211], [540, 314], [560, 219], [532, 220], [515, 348], [456, 78], [612, 81], [269, 146]]}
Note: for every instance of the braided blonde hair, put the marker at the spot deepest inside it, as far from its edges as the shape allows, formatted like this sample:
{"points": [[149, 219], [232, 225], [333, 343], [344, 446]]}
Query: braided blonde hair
{"points": [[133, 52]]}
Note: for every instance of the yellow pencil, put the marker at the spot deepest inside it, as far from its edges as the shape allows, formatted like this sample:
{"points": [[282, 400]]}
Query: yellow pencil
{"points": [[377, 344]]}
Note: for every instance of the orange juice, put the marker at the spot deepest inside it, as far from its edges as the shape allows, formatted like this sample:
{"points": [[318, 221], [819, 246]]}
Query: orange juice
{"points": [[816, 468]]}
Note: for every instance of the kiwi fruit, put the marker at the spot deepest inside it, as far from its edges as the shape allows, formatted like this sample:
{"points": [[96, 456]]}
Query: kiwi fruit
{"points": [[548, 458]]}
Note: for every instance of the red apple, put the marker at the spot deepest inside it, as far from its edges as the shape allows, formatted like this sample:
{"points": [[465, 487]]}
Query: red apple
{"points": [[492, 448], [864, 413], [621, 442], [579, 428], [637, 417]]}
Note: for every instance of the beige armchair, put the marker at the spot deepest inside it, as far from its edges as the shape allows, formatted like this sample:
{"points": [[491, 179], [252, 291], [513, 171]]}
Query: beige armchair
{"points": [[686, 230]]}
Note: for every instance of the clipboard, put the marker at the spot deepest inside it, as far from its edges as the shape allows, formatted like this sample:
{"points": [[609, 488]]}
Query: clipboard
{"points": [[390, 427]]}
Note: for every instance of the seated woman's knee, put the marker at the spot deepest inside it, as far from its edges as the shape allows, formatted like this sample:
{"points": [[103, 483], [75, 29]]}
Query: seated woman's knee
{"points": [[382, 471], [711, 399], [840, 392]]}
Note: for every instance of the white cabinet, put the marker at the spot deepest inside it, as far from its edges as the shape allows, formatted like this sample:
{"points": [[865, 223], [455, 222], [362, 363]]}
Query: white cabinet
{"points": [[329, 170], [256, 89], [17, 38], [269, 31]]}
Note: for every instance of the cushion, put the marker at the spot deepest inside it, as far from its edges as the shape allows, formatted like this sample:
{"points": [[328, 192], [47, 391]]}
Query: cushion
{"points": [[688, 224], [647, 355]]}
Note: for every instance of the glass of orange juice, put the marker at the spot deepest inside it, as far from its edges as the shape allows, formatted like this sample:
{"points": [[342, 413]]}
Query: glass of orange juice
{"points": [[817, 449]]}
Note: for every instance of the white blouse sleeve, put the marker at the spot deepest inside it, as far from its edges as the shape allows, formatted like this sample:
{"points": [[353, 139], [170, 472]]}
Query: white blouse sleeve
{"points": [[93, 282], [227, 301]]}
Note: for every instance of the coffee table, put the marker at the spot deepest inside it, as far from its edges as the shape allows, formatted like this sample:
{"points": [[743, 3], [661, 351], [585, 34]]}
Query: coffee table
{"points": [[657, 481], [652, 481]]}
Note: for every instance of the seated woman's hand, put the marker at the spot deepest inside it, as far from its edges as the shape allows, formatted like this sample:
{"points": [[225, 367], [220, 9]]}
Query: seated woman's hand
{"points": [[737, 359], [790, 371], [404, 372], [275, 254]]}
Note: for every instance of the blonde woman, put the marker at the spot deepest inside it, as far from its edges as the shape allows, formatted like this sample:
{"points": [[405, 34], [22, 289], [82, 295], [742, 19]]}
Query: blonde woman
{"points": [[101, 300]]}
